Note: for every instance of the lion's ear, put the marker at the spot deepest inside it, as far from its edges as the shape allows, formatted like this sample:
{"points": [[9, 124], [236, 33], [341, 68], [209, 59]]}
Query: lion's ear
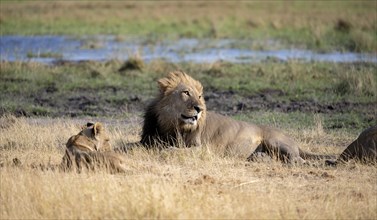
{"points": [[164, 85], [170, 82], [97, 129]]}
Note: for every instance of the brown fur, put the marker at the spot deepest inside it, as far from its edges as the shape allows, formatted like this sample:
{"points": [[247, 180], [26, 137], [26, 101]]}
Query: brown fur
{"points": [[169, 120], [163, 123], [91, 161], [92, 137], [363, 149], [90, 149]]}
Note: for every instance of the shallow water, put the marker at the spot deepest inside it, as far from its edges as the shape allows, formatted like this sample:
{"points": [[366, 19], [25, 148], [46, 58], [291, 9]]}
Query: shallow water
{"points": [[100, 48]]}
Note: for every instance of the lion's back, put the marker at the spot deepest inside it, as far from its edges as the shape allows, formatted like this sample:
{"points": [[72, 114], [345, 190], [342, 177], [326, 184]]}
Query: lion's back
{"points": [[364, 147]]}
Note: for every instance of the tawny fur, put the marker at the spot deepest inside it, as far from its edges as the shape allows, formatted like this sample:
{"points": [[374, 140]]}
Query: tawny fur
{"points": [[363, 149], [92, 137], [90, 150], [92, 161], [180, 100]]}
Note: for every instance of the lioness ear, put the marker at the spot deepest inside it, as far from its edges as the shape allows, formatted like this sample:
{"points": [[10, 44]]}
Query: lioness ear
{"points": [[98, 128], [88, 124]]}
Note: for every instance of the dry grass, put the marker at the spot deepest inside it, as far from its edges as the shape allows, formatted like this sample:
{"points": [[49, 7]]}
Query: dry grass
{"points": [[356, 84], [188, 183], [280, 14]]}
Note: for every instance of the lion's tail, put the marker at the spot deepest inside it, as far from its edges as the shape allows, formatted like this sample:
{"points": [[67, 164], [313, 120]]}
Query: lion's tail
{"points": [[307, 155]]}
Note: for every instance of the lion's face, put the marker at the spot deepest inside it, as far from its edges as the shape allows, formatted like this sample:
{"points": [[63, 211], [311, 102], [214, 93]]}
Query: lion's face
{"points": [[96, 133], [189, 106], [92, 137], [182, 101]]}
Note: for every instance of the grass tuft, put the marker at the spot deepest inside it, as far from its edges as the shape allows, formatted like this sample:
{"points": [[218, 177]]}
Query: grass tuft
{"points": [[343, 26], [357, 84], [216, 69], [362, 41], [44, 55], [134, 62]]}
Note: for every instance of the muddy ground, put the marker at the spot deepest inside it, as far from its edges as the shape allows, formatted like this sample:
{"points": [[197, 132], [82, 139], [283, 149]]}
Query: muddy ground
{"points": [[88, 102]]}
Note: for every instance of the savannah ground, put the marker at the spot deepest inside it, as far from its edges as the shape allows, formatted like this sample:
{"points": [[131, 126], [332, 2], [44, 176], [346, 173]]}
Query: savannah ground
{"points": [[192, 183], [324, 106]]}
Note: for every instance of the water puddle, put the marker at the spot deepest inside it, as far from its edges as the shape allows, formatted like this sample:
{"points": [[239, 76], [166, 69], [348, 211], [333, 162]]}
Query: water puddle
{"points": [[47, 49]]}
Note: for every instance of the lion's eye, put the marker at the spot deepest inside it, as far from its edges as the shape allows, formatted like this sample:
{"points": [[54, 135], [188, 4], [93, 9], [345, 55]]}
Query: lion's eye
{"points": [[186, 93], [200, 96]]}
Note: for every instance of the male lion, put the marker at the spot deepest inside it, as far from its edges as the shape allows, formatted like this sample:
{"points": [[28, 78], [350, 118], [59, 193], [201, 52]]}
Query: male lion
{"points": [[179, 115], [364, 148], [90, 149]]}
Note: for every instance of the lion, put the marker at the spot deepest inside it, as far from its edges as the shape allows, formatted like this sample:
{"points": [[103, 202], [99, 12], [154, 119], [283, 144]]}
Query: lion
{"points": [[363, 149], [92, 137], [90, 149], [178, 115], [90, 161]]}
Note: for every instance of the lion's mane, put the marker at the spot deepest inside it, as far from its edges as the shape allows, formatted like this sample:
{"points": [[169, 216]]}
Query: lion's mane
{"points": [[160, 118]]}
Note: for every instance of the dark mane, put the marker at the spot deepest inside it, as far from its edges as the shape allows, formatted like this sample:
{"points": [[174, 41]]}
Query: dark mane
{"points": [[152, 135], [162, 127]]}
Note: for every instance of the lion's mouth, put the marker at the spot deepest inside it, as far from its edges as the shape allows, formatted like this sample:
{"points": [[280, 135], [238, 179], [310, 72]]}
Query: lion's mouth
{"points": [[190, 119]]}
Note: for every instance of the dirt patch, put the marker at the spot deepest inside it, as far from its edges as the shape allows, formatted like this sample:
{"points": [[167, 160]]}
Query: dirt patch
{"points": [[49, 101], [231, 102], [117, 101]]}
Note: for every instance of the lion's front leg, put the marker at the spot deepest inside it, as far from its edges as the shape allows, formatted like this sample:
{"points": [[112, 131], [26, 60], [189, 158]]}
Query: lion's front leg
{"points": [[192, 140]]}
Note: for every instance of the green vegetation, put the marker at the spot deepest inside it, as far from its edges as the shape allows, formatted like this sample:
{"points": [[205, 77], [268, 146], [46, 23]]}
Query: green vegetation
{"points": [[352, 121], [134, 62], [344, 94], [318, 25], [44, 55]]}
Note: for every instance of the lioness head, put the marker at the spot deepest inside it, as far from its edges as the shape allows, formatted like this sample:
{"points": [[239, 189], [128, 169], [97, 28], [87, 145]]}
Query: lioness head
{"points": [[181, 102], [92, 137]]}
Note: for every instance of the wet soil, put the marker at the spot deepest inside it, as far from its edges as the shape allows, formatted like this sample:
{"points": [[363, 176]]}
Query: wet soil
{"points": [[90, 102], [229, 101]]}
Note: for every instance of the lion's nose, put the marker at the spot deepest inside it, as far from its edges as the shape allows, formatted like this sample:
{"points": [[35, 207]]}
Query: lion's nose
{"points": [[198, 108]]}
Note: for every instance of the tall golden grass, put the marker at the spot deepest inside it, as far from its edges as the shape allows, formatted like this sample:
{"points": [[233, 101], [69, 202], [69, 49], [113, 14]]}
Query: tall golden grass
{"points": [[185, 183]]}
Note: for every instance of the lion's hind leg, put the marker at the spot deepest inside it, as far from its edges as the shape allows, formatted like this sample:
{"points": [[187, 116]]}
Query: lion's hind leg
{"points": [[260, 155], [285, 151]]}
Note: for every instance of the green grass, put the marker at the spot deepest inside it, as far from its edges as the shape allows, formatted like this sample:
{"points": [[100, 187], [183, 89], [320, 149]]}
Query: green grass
{"points": [[101, 89], [318, 25], [44, 55], [324, 82], [319, 81], [300, 120]]}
